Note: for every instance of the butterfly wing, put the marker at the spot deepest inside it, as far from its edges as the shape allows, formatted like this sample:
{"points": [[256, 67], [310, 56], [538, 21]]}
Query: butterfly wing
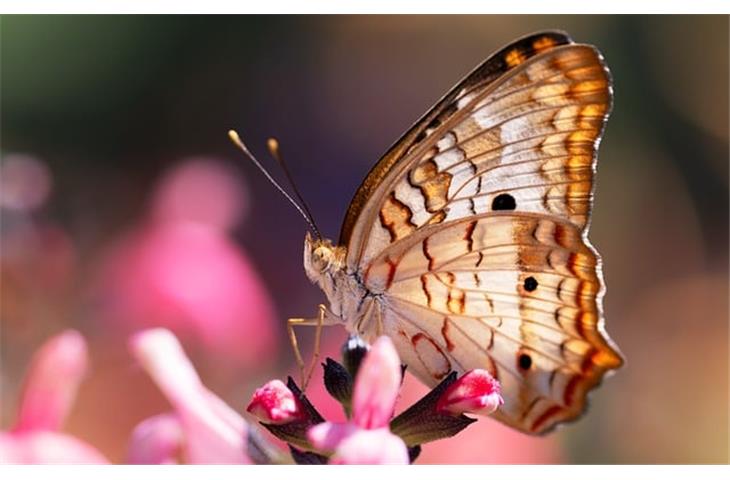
{"points": [[473, 228], [450, 109], [529, 126], [514, 293]]}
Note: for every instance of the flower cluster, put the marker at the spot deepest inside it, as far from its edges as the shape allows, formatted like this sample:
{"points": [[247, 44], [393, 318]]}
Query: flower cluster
{"points": [[367, 386], [201, 428]]}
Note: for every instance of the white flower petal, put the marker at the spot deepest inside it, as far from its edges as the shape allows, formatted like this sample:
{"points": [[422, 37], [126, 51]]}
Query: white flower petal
{"points": [[213, 432], [378, 447]]}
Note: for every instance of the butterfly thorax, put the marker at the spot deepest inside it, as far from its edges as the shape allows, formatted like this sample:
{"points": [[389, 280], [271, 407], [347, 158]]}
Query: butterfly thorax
{"points": [[325, 266]]}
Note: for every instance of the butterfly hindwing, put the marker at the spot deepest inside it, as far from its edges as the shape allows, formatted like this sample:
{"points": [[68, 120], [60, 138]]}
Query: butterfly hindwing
{"points": [[513, 293]]}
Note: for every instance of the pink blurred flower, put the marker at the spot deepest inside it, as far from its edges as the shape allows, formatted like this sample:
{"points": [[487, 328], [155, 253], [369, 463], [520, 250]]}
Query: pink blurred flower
{"points": [[475, 392], [157, 440], [48, 394], [201, 191], [366, 438], [275, 404], [210, 431], [46, 447], [25, 182], [181, 270]]}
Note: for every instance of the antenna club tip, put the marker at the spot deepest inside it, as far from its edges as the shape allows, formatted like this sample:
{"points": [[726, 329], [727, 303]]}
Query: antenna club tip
{"points": [[233, 135], [273, 144]]}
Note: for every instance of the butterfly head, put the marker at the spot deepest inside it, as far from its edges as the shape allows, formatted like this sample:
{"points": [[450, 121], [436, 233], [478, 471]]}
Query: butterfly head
{"points": [[322, 259]]}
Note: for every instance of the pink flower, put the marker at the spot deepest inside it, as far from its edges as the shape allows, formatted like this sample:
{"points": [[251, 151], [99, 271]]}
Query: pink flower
{"points": [[25, 182], [48, 394], [157, 440], [181, 269], [475, 392], [275, 404], [47, 447], [366, 438], [210, 431], [372, 447], [202, 191], [505, 445]]}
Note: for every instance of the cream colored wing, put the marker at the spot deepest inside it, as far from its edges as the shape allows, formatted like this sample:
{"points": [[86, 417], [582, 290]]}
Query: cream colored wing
{"points": [[472, 229], [525, 142], [517, 294]]}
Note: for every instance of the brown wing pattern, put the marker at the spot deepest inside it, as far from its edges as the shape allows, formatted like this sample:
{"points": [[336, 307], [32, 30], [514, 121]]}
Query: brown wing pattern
{"points": [[473, 230], [426, 131], [518, 294], [526, 142]]}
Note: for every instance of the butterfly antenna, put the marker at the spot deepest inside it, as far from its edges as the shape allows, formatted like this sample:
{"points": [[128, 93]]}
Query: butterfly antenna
{"points": [[233, 135], [273, 145]]}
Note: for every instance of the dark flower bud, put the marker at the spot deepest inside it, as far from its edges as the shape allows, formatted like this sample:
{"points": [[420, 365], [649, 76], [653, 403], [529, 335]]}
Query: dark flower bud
{"points": [[423, 422], [353, 352], [338, 382]]}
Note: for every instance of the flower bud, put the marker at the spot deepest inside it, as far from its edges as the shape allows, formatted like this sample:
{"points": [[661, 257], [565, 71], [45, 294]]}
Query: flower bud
{"points": [[339, 384], [353, 353], [475, 392], [274, 403], [422, 422]]}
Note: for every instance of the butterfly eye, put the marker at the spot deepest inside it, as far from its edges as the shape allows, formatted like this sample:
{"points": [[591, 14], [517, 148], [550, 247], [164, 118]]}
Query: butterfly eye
{"points": [[321, 258]]}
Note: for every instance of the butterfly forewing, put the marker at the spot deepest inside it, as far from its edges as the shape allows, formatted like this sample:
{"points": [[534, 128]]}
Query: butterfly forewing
{"points": [[429, 129], [472, 232], [525, 143]]}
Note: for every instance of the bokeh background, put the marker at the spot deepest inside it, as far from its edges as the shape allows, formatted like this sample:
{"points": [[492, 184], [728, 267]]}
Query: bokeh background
{"points": [[125, 206]]}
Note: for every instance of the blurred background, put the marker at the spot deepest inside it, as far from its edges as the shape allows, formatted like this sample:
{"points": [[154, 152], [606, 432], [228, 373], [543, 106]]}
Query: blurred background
{"points": [[124, 206]]}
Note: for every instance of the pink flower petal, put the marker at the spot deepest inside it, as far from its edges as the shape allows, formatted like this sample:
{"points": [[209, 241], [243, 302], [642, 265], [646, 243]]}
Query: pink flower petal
{"points": [[194, 280], [376, 386], [40, 447], [275, 403], [52, 382], [326, 436], [156, 440], [213, 432], [201, 190], [378, 447], [225, 413], [475, 392]]}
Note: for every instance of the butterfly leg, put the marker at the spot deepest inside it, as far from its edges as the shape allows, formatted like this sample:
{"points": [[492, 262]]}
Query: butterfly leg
{"points": [[319, 322]]}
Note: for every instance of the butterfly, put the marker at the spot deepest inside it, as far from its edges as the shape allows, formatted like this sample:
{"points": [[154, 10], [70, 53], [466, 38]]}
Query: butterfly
{"points": [[467, 242]]}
